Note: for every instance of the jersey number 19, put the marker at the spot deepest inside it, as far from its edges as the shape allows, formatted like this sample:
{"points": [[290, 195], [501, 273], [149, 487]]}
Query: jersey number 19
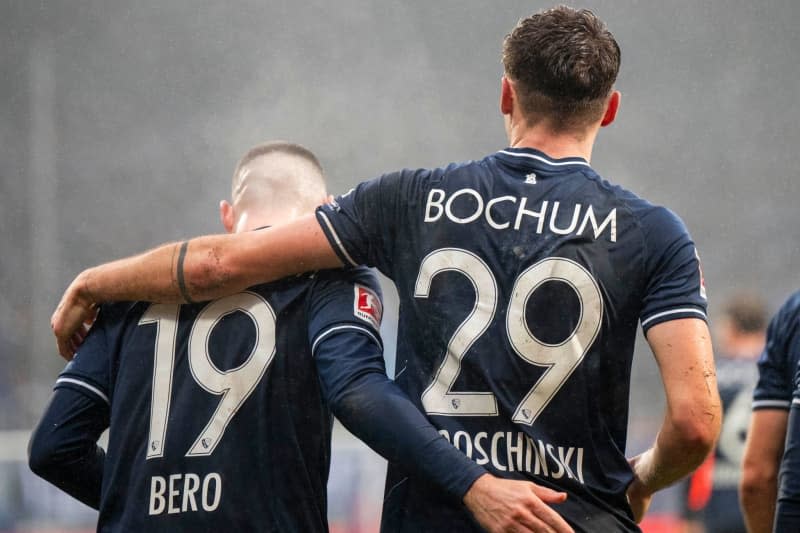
{"points": [[234, 385]]}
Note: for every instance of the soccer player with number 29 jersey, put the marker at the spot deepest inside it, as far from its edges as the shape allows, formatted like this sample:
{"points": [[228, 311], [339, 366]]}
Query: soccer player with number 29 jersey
{"points": [[522, 278]]}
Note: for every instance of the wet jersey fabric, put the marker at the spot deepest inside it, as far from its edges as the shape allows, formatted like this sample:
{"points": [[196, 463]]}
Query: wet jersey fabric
{"points": [[779, 388], [522, 281], [778, 362], [217, 417]]}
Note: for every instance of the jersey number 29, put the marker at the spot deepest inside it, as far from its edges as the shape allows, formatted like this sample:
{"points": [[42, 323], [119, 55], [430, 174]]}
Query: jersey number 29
{"points": [[559, 360]]}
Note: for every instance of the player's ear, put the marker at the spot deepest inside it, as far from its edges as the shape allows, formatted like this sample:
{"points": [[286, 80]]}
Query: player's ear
{"points": [[226, 215], [506, 96], [611, 109]]}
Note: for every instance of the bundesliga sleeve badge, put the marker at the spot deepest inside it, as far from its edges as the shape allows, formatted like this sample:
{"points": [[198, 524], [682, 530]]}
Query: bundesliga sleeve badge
{"points": [[367, 306], [702, 279]]}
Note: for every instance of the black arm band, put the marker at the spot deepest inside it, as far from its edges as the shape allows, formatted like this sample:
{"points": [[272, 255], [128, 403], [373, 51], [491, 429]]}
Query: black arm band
{"points": [[181, 280]]}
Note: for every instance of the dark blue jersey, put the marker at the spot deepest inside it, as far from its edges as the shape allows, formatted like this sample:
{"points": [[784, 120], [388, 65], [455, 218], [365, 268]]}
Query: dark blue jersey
{"points": [[782, 354], [522, 280], [777, 365], [217, 419]]}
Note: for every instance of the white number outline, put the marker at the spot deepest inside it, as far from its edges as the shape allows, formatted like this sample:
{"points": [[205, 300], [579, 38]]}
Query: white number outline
{"points": [[574, 346], [438, 398], [242, 379], [165, 317], [210, 378]]}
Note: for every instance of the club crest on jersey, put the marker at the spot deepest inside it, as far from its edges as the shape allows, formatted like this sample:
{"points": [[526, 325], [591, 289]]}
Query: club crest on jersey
{"points": [[367, 306]]}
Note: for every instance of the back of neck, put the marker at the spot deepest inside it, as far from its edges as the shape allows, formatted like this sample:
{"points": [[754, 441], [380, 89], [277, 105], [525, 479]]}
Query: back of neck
{"points": [[555, 145]]}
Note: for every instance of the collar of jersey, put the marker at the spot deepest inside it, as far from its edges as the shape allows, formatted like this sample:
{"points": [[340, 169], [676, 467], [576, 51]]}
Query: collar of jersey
{"points": [[535, 158]]}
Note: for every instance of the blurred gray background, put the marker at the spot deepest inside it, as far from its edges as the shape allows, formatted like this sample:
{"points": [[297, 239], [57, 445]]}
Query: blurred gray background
{"points": [[121, 123]]}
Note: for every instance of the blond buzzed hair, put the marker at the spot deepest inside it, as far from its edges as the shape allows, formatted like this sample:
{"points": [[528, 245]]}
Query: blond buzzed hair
{"points": [[291, 176]]}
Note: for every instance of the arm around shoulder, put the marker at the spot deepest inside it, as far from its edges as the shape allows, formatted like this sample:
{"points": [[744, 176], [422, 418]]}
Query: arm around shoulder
{"points": [[198, 270]]}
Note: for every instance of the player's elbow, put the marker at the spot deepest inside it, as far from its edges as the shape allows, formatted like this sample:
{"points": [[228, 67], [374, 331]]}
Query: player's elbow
{"points": [[348, 399], [757, 479], [43, 454], [697, 444], [698, 434]]}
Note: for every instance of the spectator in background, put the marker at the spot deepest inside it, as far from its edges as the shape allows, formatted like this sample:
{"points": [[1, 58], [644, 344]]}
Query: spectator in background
{"points": [[775, 395], [712, 501]]}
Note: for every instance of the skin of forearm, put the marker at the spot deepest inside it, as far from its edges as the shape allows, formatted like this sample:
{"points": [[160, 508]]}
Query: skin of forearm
{"points": [[674, 455], [764, 449], [758, 494], [694, 411], [148, 276], [209, 267], [179, 272], [759, 509], [157, 275]]}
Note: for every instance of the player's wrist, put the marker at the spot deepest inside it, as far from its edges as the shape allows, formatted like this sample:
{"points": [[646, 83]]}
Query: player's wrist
{"points": [[468, 479], [644, 475], [473, 494], [638, 489], [80, 293]]}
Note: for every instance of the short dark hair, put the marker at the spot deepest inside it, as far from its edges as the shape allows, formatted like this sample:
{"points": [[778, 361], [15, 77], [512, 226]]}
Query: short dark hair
{"points": [[747, 312], [283, 147], [563, 63]]}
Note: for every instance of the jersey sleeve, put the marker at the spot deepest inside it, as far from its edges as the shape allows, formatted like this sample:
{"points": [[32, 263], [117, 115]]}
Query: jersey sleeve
{"points": [[787, 512], [89, 371], [345, 301], [63, 447], [775, 372], [366, 225], [344, 319], [674, 287], [346, 304]]}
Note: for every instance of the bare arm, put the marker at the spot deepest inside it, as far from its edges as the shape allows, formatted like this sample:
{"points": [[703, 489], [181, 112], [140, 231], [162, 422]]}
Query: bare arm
{"points": [[682, 349], [758, 488], [198, 270]]}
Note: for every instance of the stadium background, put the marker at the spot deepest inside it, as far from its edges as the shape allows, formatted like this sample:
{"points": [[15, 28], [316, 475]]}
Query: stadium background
{"points": [[121, 122]]}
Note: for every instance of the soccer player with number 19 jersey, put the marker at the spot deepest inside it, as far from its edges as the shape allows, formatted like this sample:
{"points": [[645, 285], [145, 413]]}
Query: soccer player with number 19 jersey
{"points": [[522, 278], [220, 412]]}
